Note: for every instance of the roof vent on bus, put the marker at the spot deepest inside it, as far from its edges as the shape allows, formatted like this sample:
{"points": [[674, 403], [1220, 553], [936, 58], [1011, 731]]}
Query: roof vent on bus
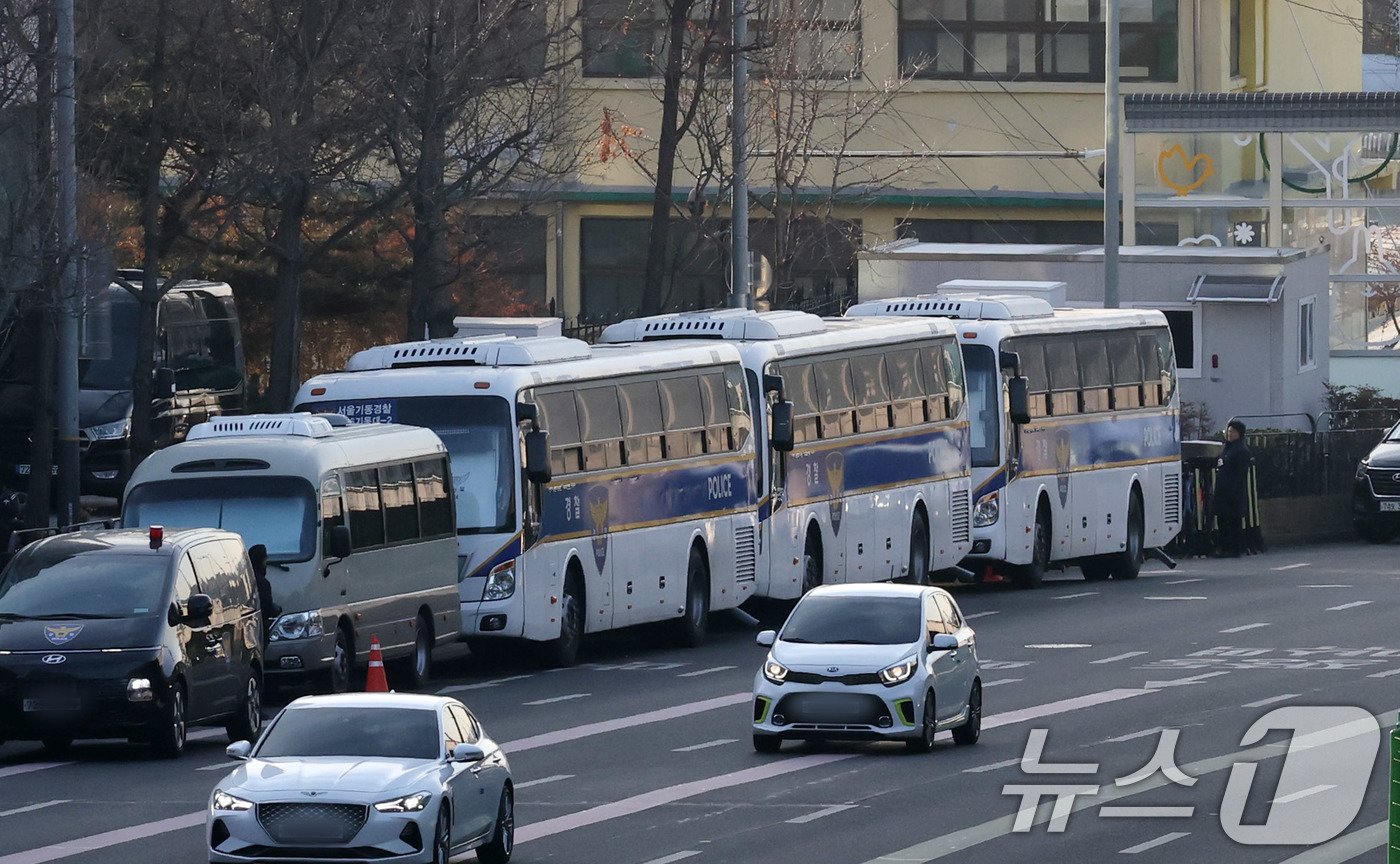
{"points": [[301, 425], [958, 306], [476, 351], [731, 324]]}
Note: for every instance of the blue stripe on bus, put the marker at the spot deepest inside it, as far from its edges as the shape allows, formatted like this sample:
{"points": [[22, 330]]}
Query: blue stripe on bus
{"points": [[1058, 447], [830, 472], [509, 552]]}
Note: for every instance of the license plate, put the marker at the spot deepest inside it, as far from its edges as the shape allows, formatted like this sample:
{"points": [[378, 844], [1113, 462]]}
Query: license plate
{"points": [[1390, 506], [50, 705], [23, 470]]}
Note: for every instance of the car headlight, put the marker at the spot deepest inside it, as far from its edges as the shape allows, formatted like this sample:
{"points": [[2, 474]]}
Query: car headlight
{"points": [[109, 431], [899, 672], [230, 803], [987, 510], [297, 625], [407, 804], [774, 671], [1361, 469], [501, 583]]}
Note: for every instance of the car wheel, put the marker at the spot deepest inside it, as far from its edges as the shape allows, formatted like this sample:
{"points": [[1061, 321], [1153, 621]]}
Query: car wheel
{"points": [[1128, 563], [919, 550], [421, 662], [442, 836], [169, 733], [246, 722], [970, 731], [57, 745], [811, 562], [503, 840], [767, 743], [928, 728], [689, 629], [564, 651], [1032, 574], [338, 675]]}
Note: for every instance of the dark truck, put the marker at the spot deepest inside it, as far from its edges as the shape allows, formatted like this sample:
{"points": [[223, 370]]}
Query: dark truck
{"points": [[199, 355]]}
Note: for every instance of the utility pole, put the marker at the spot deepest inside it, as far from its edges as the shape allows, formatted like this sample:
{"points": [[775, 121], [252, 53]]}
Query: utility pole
{"points": [[1112, 174], [69, 301], [740, 296]]}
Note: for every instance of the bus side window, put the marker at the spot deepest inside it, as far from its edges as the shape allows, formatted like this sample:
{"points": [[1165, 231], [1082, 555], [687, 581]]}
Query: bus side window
{"points": [[936, 384], [1126, 369], [741, 418], [1166, 354], [872, 393], [366, 515], [559, 417], [1064, 376], [434, 503], [1092, 351], [835, 398], [953, 375], [1152, 394], [332, 513], [800, 384], [1032, 353], [600, 426], [683, 415], [400, 510], [716, 413], [906, 385], [641, 419]]}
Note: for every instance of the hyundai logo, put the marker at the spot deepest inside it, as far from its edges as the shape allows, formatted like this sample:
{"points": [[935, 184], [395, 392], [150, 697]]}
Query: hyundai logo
{"points": [[1395, 477], [54, 659]]}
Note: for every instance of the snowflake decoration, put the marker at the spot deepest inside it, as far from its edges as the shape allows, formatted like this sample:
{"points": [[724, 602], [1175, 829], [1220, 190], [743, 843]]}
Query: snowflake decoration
{"points": [[1243, 234]]}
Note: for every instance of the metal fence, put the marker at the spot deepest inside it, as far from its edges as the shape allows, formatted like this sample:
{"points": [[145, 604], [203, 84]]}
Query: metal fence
{"points": [[1294, 464]]}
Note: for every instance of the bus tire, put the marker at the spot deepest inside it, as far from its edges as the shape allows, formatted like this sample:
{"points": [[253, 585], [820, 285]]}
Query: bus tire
{"points": [[563, 652], [419, 664], [1128, 563], [337, 677], [1032, 574], [689, 630], [919, 548], [1094, 570], [812, 560]]}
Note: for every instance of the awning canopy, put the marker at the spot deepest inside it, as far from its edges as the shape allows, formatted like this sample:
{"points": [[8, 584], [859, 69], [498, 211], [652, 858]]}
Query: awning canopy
{"points": [[1236, 289]]}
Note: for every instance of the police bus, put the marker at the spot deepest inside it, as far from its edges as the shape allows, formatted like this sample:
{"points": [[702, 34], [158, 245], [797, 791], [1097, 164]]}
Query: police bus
{"points": [[876, 484], [635, 503], [1076, 456]]}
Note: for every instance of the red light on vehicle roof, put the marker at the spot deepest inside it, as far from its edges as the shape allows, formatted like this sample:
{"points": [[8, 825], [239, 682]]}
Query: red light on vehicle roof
{"points": [[970, 334], [482, 385], [157, 536], [318, 391]]}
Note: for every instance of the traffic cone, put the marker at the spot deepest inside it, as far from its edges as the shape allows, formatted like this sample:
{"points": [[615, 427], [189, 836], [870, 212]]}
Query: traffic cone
{"points": [[375, 682]]}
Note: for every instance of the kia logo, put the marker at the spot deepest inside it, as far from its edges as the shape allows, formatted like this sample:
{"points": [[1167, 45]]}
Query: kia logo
{"points": [[833, 668], [54, 659]]}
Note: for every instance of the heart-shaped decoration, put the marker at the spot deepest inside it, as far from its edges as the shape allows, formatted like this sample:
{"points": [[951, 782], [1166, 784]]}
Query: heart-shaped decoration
{"points": [[1203, 240], [1199, 167]]}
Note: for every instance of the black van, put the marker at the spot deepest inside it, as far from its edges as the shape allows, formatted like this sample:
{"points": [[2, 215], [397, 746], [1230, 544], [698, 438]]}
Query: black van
{"points": [[198, 345], [130, 634], [1375, 500]]}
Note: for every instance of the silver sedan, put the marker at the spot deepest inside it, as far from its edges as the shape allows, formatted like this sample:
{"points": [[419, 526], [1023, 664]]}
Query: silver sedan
{"points": [[380, 776]]}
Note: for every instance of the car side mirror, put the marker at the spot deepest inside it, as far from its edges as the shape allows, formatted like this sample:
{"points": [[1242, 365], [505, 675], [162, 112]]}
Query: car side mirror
{"points": [[340, 541], [1018, 395], [944, 642], [199, 608], [467, 753], [163, 385], [239, 750], [537, 469], [780, 436], [767, 638]]}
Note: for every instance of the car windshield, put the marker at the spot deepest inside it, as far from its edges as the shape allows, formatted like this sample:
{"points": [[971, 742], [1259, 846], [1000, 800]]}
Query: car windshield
{"points": [[278, 512], [373, 733], [1394, 434], [477, 431], [82, 583], [852, 620]]}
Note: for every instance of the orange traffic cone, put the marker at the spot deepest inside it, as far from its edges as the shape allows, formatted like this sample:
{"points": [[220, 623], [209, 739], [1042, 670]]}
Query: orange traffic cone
{"points": [[375, 682]]}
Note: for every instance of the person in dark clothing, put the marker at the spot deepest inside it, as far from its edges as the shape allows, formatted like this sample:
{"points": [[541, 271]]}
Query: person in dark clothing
{"points": [[257, 556], [1231, 497]]}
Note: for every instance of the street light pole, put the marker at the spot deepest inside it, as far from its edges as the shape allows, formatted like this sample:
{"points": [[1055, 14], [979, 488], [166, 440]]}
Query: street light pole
{"points": [[740, 296], [1112, 173], [68, 307]]}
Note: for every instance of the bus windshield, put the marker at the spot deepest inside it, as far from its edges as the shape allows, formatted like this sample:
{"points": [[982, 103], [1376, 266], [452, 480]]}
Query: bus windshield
{"points": [[278, 512], [983, 404]]}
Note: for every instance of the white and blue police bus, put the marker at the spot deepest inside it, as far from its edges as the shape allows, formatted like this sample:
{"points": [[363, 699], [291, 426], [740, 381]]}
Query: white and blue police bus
{"points": [[864, 475], [1076, 454], [595, 489]]}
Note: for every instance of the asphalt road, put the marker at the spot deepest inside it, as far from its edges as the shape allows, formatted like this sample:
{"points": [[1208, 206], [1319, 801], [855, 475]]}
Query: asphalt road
{"points": [[641, 754]]}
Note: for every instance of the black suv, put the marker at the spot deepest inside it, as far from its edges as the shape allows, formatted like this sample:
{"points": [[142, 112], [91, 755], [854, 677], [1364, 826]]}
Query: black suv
{"points": [[132, 634], [1375, 501]]}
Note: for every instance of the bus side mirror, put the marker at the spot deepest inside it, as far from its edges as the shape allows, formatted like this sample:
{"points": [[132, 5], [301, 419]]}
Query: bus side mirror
{"points": [[780, 437], [340, 541], [1018, 394], [164, 383], [537, 457], [1010, 360]]}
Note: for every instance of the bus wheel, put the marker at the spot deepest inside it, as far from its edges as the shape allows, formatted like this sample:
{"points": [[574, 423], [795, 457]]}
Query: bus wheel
{"points": [[689, 629], [1094, 570], [1032, 574], [1127, 564], [811, 561], [918, 549], [564, 650]]}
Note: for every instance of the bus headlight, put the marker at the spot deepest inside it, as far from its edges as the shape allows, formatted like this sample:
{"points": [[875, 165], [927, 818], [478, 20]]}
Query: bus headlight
{"points": [[987, 511], [501, 583], [297, 625]]}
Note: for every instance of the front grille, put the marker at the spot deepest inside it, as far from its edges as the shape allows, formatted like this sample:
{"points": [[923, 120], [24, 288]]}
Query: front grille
{"points": [[1383, 480], [1171, 499], [853, 679], [745, 557], [295, 822], [959, 516], [831, 709], [354, 853]]}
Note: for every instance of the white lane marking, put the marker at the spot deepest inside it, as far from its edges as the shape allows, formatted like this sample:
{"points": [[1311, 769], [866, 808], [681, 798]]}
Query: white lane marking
{"points": [[674, 857], [28, 767], [482, 685], [812, 817], [1035, 712], [1291, 566], [1346, 847], [1148, 812], [1182, 581], [1001, 681], [69, 848], [718, 742], [699, 672], [553, 778], [1051, 645], [1243, 627], [1153, 844], [1176, 597], [981, 614], [219, 766], [32, 807], [982, 769], [588, 730], [1074, 596], [1116, 657], [1351, 605], [1271, 700], [1131, 736], [1181, 682], [1324, 586], [1303, 793], [553, 699], [206, 735], [1385, 674]]}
